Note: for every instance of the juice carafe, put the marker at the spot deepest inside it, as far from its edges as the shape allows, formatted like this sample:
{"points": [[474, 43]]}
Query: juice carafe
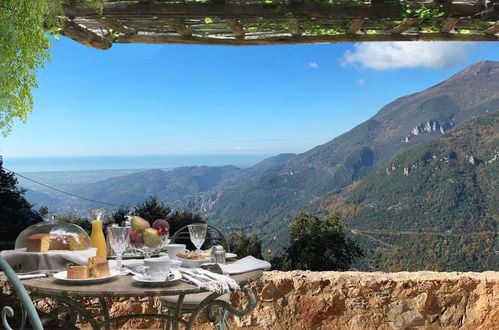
{"points": [[97, 239]]}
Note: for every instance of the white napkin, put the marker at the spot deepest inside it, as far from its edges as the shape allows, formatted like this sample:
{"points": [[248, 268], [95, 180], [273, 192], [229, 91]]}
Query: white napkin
{"points": [[46, 261], [246, 264], [209, 281]]}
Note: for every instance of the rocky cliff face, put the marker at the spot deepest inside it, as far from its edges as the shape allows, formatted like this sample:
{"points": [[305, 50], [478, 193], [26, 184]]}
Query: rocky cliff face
{"points": [[344, 300]]}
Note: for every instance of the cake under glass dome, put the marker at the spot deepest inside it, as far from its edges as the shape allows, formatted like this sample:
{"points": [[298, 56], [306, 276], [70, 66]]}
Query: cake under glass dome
{"points": [[53, 235]]}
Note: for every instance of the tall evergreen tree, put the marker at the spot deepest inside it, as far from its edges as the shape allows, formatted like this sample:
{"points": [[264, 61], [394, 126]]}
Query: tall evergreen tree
{"points": [[320, 244]]}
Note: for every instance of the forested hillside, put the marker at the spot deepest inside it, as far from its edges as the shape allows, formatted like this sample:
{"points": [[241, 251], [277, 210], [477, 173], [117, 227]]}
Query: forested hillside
{"points": [[434, 206]]}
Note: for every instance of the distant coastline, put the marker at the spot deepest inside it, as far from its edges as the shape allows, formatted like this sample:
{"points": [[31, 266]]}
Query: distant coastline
{"points": [[86, 163]]}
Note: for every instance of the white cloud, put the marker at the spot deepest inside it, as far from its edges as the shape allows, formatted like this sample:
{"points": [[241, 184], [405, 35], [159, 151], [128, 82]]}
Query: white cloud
{"points": [[361, 82], [313, 65], [403, 54]]}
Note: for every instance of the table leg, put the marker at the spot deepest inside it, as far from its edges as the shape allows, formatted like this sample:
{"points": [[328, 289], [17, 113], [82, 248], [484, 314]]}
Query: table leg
{"points": [[105, 310], [234, 311], [177, 312], [74, 306], [199, 309]]}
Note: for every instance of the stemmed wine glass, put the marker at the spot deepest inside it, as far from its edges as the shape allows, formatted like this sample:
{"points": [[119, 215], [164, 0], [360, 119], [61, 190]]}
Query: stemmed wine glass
{"points": [[118, 239], [197, 232]]}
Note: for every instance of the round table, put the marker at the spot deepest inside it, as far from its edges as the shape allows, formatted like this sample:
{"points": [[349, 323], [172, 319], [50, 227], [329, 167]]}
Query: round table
{"points": [[125, 286]]}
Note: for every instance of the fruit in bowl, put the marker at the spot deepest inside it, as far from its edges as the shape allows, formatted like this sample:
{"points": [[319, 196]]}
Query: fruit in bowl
{"points": [[146, 238], [162, 226]]}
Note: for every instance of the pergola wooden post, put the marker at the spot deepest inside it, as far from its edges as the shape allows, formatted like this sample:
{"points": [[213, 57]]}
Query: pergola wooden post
{"points": [[273, 22]]}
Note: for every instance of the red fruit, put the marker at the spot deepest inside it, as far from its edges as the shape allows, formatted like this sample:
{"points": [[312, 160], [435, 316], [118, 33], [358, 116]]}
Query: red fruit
{"points": [[160, 223]]}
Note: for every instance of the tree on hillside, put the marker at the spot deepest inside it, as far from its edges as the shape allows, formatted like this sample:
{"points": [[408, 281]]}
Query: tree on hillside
{"points": [[244, 245], [119, 215], [320, 244], [152, 209], [178, 219], [15, 211]]}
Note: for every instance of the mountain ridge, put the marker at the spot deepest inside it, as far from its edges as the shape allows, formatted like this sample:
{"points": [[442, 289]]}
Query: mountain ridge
{"points": [[280, 192]]}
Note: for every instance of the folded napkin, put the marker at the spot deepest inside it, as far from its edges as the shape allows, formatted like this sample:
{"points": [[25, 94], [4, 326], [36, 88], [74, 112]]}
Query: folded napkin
{"points": [[46, 261], [209, 281], [246, 264]]}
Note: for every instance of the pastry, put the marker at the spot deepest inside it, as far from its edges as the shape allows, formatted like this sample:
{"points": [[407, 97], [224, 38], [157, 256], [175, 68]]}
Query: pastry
{"points": [[78, 272], [38, 243], [98, 266], [192, 255], [73, 242], [47, 242]]}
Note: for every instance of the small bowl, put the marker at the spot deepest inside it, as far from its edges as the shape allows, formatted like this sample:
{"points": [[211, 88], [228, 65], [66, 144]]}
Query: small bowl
{"points": [[190, 263]]}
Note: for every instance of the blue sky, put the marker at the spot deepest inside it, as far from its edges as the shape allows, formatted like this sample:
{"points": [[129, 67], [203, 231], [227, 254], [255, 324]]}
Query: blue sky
{"points": [[200, 100]]}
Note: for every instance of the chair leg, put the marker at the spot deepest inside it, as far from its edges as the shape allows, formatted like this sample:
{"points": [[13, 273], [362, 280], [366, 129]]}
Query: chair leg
{"points": [[167, 323], [223, 320]]}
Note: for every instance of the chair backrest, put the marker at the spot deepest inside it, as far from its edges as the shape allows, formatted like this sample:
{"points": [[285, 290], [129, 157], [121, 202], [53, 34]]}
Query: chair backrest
{"points": [[26, 303], [213, 237]]}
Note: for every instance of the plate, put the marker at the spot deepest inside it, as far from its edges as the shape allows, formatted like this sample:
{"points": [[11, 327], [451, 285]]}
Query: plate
{"points": [[190, 263], [62, 276], [174, 276], [230, 255]]}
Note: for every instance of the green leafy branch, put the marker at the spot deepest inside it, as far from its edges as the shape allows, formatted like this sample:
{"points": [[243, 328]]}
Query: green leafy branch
{"points": [[24, 48], [25, 26], [410, 10]]}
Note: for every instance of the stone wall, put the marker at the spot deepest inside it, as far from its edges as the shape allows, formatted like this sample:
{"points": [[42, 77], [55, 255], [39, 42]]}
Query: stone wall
{"points": [[354, 300], [350, 300]]}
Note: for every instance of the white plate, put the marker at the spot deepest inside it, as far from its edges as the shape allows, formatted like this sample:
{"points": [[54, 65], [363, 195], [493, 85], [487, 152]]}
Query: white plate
{"points": [[190, 263], [230, 255], [63, 277], [174, 276]]}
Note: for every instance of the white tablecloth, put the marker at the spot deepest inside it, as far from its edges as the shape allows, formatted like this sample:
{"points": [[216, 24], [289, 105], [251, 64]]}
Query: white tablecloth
{"points": [[46, 261]]}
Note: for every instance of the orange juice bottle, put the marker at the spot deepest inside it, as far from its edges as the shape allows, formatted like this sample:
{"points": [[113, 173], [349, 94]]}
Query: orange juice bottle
{"points": [[97, 239]]}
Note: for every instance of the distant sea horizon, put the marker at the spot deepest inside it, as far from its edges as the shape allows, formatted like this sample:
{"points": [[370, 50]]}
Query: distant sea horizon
{"points": [[88, 163]]}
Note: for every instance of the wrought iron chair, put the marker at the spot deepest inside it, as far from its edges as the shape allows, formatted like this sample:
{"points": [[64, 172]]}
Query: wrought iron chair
{"points": [[191, 302], [27, 307]]}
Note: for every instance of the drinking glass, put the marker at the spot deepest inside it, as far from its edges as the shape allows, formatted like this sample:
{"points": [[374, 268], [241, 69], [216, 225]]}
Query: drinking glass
{"points": [[118, 239], [197, 232]]}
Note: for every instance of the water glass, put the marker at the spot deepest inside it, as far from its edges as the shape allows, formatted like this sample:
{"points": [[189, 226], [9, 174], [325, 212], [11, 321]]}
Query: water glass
{"points": [[119, 238], [197, 232]]}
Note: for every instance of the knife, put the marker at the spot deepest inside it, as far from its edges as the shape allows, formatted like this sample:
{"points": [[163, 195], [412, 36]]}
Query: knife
{"points": [[31, 276]]}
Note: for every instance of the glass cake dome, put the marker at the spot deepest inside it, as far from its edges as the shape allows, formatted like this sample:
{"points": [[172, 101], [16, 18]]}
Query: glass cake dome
{"points": [[53, 235]]}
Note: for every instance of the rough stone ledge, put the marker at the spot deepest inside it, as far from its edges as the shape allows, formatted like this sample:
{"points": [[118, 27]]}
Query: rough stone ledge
{"points": [[348, 300]]}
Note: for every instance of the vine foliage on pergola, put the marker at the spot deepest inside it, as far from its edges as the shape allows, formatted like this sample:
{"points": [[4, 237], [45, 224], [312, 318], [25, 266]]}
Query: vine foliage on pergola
{"points": [[271, 22]]}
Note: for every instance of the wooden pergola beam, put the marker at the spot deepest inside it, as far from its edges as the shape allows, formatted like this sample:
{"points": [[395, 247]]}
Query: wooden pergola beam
{"points": [[282, 40], [116, 25], [448, 24], [236, 28], [340, 10], [178, 26], [294, 27], [355, 25], [406, 24], [493, 30], [84, 36]]}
